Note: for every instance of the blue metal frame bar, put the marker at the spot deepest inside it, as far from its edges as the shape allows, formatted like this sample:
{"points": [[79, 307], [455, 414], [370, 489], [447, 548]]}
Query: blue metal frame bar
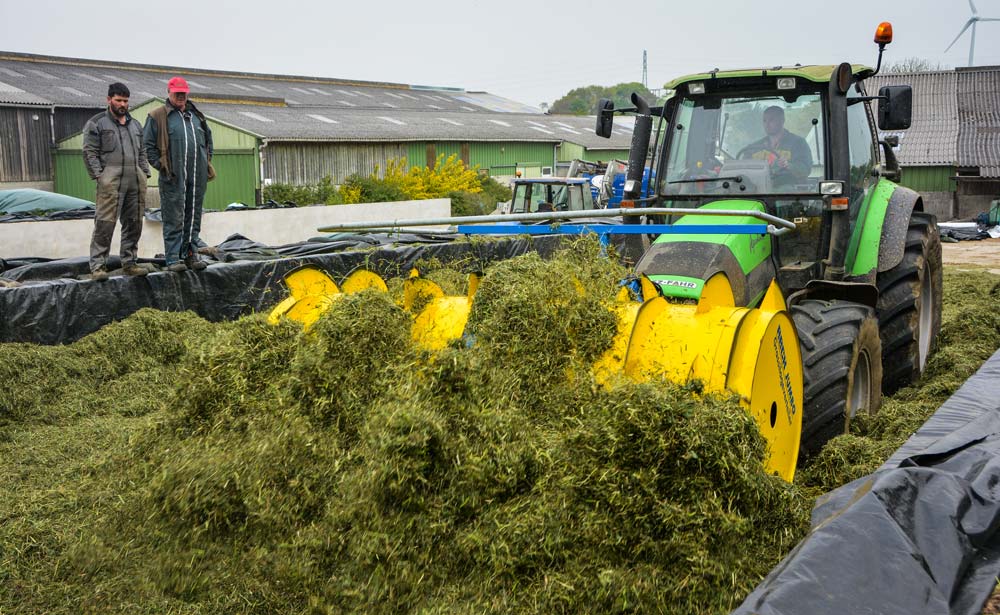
{"points": [[617, 229]]}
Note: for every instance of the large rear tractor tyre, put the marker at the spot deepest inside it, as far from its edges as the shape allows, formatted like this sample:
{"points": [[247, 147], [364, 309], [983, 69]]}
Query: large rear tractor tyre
{"points": [[842, 368], [909, 305]]}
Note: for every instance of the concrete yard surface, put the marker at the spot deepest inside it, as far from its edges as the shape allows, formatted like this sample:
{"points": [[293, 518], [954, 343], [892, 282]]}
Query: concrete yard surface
{"points": [[982, 254]]}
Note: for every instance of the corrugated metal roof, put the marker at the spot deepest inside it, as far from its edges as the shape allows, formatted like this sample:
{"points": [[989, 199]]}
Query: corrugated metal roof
{"points": [[22, 98], [932, 139], [11, 94], [393, 125], [280, 107], [70, 82], [979, 119]]}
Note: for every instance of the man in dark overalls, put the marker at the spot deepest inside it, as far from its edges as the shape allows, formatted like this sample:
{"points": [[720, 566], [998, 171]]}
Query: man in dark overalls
{"points": [[116, 160], [179, 145]]}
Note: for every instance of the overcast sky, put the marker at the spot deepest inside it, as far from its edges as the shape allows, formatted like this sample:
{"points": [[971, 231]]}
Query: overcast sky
{"points": [[529, 51]]}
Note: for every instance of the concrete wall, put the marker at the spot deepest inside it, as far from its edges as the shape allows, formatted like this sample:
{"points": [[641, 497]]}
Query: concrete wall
{"points": [[47, 186], [975, 195], [941, 204], [971, 205], [274, 227]]}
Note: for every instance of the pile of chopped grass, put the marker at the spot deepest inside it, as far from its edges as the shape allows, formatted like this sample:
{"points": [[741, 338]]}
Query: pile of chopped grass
{"points": [[119, 369], [345, 470]]}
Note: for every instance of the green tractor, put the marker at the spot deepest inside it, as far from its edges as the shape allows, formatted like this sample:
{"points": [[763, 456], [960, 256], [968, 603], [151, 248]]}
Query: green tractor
{"points": [[861, 269]]}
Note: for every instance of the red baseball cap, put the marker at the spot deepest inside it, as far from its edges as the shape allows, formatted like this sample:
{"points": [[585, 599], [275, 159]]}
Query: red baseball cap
{"points": [[177, 84]]}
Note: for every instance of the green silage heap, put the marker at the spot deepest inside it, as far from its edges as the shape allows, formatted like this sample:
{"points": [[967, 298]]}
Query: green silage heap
{"points": [[169, 465]]}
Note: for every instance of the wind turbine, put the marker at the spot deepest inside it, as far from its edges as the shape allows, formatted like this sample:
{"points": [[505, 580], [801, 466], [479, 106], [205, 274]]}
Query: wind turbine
{"points": [[972, 22]]}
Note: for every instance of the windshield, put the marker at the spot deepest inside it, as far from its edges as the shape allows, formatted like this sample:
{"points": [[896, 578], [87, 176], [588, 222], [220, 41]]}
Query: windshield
{"points": [[746, 145], [543, 197]]}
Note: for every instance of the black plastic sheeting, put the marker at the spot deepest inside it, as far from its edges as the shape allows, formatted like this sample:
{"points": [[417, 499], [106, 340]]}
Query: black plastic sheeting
{"points": [[65, 309], [918, 536], [964, 234], [234, 248], [83, 213]]}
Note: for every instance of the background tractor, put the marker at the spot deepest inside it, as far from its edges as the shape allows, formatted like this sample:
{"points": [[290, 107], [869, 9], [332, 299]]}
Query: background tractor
{"points": [[861, 269]]}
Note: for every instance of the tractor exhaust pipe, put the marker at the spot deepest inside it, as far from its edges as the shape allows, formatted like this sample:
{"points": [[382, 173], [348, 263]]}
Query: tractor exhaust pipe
{"points": [[637, 154], [639, 149]]}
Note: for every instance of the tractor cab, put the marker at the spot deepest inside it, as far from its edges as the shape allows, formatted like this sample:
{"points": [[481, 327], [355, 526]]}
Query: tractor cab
{"points": [[553, 194], [795, 142], [747, 137]]}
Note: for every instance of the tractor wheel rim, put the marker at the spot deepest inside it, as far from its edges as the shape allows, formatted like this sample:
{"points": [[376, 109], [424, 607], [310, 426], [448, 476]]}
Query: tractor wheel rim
{"points": [[925, 320], [861, 386]]}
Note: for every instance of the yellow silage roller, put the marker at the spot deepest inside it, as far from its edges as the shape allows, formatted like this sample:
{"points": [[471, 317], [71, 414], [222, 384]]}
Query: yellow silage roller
{"points": [[750, 352], [753, 353], [312, 292]]}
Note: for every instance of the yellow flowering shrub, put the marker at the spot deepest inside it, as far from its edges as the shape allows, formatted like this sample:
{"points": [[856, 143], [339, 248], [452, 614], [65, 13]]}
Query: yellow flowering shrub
{"points": [[417, 183], [350, 194]]}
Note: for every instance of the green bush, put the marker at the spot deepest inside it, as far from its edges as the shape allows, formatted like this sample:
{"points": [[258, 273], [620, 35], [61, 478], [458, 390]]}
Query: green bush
{"points": [[372, 190], [323, 192], [464, 203]]}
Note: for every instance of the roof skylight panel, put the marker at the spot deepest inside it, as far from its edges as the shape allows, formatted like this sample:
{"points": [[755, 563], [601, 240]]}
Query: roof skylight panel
{"points": [[255, 116], [74, 91]]}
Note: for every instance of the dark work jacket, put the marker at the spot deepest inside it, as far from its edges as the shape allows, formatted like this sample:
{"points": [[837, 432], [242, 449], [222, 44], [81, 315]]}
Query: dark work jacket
{"points": [[108, 143], [168, 153]]}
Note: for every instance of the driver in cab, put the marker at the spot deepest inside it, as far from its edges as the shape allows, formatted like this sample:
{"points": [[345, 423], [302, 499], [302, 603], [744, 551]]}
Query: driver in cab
{"points": [[787, 154]]}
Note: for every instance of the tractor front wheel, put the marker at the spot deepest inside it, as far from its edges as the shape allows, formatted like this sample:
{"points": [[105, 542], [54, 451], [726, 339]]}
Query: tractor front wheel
{"points": [[909, 305], [842, 367]]}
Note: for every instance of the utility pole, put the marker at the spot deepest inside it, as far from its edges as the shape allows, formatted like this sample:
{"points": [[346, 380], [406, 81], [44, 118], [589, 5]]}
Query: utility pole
{"points": [[644, 84]]}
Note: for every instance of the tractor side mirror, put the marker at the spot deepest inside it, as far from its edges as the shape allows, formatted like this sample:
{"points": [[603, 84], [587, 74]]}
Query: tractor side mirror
{"points": [[605, 118], [895, 107]]}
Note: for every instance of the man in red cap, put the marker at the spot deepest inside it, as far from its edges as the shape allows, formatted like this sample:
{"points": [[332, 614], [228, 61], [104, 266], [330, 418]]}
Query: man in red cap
{"points": [[179, 145]]}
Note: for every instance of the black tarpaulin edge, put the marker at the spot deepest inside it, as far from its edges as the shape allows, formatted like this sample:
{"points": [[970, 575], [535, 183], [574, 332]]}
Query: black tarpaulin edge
{"points": [[917, 536], [64, 310]]}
